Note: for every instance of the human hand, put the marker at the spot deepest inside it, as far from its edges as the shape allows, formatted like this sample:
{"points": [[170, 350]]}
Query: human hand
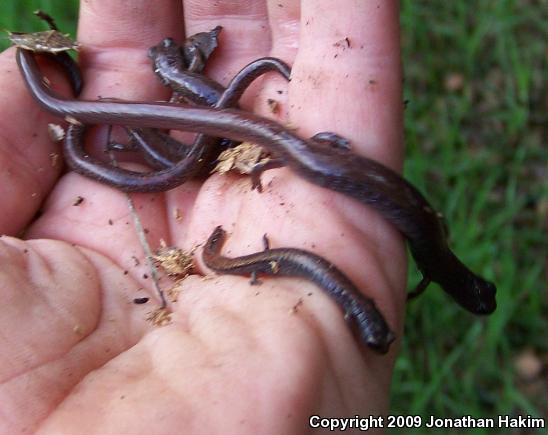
{"points": [[235, 358]]}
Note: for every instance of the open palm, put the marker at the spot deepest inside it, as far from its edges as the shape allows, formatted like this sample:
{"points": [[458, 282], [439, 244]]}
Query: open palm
{"points": [[78, 354]]}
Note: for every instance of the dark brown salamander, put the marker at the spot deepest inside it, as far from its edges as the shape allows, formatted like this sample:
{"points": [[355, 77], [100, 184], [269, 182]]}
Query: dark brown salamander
{"points": [[359, 310], [174, 175], [358, 177], [198, 48], [169, 65]]}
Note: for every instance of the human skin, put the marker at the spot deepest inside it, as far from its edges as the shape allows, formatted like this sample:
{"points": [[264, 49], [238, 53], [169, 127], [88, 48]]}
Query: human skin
{"points": [[78, 354]]}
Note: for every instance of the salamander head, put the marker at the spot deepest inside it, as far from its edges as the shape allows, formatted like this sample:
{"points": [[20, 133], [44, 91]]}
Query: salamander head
{"points": [[469, 290], [370, 325], [473, 293], [485, 292], [169, 50]]}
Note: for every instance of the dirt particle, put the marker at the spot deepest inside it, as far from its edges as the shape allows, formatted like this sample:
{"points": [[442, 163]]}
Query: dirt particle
{"points": [[273, 105], [528, 365], [344, 43], [454, 82], [295, 308], [160, 317], [79, 200], [174, 261]]}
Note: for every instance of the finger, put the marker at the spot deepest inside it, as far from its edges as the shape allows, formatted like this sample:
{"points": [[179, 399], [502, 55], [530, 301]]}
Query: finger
{"points": [[245, 35], [65, 315], [284, 22], [349, 62], [115, 37], [347, 79], [29, 159]]}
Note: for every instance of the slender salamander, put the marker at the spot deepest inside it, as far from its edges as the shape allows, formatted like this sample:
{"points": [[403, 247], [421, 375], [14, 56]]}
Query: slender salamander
{"points": [[359, 310]]}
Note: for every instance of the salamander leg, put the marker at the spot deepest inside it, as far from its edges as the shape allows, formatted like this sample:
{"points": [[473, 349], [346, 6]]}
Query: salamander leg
{"points": [[254, 280], [131, 144], [334, 140], [266, 242], [259, 168], [419, 289], [116, 146]]}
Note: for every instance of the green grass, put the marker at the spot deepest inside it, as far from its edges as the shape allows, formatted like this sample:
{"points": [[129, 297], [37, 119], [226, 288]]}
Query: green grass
{"points": [[476, 149]]}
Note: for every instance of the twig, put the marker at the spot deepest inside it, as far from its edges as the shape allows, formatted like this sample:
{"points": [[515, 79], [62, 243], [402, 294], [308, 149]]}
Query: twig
{"points": [[141, 235]]}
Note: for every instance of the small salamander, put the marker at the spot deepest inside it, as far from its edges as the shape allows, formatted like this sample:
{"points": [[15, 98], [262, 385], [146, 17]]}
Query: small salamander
{"points": [[359, 310]]}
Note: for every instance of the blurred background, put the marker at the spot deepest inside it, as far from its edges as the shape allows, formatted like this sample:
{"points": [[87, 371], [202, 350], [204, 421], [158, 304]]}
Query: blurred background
{"points": [[476, 114]]}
